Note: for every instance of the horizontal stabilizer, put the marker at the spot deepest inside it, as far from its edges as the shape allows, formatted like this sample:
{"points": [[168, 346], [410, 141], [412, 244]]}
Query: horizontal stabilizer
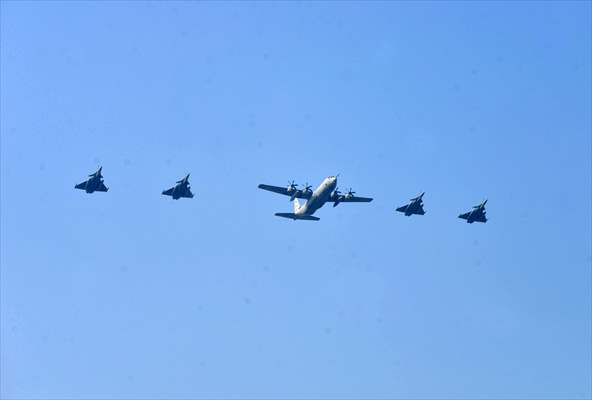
{"points": [[296, 216]]}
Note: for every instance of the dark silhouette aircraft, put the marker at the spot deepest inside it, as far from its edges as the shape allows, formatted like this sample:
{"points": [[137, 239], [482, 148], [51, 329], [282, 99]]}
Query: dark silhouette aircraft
{"points": [[415, 206], [181, 189], [94, 183], [477, 214]]}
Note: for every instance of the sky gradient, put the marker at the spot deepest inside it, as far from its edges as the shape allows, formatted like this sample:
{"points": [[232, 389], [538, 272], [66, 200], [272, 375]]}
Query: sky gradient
{"points": [[129, 294]]}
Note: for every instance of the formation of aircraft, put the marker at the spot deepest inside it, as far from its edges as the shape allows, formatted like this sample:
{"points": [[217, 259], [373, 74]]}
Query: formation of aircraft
{"points": [[326, 192]]}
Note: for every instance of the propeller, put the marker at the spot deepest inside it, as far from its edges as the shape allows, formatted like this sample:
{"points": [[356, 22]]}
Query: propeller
{"points": [[292, 186], [350, 194], [307, 188], [337, 196]]}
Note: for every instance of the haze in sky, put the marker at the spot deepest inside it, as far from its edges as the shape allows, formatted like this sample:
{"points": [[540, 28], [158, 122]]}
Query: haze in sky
{"points": [[130, 294]]}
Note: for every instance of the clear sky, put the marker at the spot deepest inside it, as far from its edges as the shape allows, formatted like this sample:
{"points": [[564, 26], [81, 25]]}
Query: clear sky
{"points": [[129, 294]]}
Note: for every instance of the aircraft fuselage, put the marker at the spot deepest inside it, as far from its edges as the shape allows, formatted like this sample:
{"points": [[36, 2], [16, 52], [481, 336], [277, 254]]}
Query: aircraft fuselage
{"points": [[319, 196], [92, 184]]}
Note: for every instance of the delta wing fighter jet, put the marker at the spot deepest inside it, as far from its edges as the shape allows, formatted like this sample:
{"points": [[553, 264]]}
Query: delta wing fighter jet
{"points": [[477, 214], [326, 192], [94, 183], [415, 206], [181, 189]]}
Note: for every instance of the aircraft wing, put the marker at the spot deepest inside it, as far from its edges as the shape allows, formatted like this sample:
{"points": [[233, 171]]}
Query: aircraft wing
{"points": [[480, 217], [465, 215], [352, 199], [81, 185], [284, 191], [403, 208], [101, 187], [168, 192], [187, 193]]}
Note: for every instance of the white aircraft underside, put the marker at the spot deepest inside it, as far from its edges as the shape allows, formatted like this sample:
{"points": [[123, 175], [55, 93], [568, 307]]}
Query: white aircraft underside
{"points": [[325, 192]]}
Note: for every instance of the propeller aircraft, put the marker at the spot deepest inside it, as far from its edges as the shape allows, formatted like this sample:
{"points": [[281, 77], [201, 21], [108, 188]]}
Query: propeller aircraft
{"points": [[326, 192]]}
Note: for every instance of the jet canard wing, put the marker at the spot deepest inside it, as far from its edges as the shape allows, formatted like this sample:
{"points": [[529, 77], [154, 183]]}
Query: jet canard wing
{"points": [[282, 190]]}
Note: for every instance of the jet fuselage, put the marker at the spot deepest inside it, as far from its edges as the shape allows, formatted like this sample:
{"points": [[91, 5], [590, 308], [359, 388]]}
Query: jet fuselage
{"points": [[92, 184]]}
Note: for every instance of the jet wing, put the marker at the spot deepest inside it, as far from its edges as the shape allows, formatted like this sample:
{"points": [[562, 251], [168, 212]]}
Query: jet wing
{"points": [[168, 192], [403, 208], [282, 190], [81, 185], [187, 193], [101, 187], [480, 217], [465, 215]]}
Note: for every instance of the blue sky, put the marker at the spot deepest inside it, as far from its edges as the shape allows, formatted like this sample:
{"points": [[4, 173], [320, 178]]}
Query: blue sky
{"points": [[129, 294]]}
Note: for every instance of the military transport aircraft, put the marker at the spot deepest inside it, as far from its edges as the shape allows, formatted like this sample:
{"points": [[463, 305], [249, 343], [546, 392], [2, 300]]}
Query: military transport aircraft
{"points": [[414, 207], [477, 214], [181, 189], [327, 191], [94, 183]]}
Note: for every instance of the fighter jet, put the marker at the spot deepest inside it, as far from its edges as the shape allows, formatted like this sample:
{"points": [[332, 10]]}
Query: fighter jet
{"points": [[327, 191], [414, 207], [181, 189], [94, 183], [477, 214]]}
